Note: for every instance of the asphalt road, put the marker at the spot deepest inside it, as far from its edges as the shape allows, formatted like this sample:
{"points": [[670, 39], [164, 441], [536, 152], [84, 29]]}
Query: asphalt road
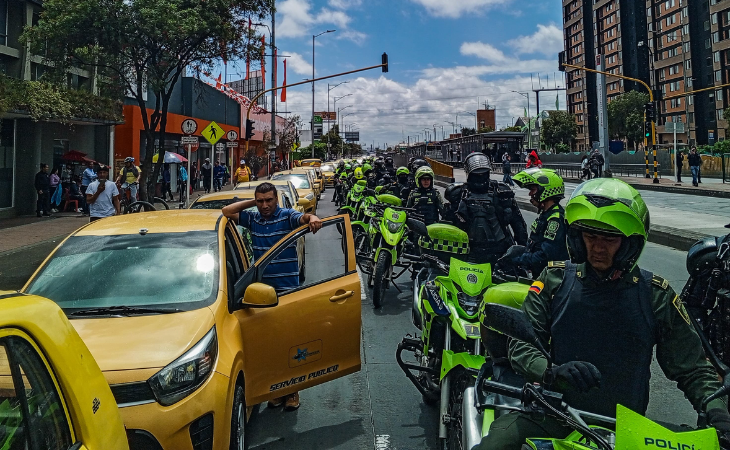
{"points": [[377, 407]]}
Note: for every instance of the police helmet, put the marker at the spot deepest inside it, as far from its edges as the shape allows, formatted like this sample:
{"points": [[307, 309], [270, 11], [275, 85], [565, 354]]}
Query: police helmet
{"points": [[549, 183]]}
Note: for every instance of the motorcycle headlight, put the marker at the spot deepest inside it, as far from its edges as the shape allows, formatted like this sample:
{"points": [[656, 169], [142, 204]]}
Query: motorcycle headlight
{"points": [[469, 304], [181, 377], [393, 227], [309, 196]]}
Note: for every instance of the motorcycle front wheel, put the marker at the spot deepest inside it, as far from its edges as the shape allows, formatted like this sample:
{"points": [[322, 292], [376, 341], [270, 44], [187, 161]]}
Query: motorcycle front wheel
{"points": [[381, 277]]}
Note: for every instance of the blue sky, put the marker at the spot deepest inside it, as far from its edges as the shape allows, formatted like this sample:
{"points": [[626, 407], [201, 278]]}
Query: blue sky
{"points": [[445, 57]]}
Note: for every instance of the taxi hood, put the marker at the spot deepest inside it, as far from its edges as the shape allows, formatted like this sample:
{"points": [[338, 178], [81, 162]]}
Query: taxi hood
{"points": [[142, 342]]}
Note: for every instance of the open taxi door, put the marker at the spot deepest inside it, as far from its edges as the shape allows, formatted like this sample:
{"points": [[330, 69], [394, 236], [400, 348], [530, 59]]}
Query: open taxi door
{"points": [[308, 335]]}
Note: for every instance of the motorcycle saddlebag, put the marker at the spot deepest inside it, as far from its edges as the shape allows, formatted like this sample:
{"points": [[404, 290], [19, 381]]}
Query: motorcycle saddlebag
{"points": [[444, 241]]}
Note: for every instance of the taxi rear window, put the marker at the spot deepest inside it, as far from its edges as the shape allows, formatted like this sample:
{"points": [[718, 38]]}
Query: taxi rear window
{"points": [[215, 204]]}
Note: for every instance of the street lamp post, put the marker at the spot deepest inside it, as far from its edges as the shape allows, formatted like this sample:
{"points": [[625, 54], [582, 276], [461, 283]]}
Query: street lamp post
{"points": [[339, 126], [529, 127], [342, 142], [328, 98], [312, 123]]}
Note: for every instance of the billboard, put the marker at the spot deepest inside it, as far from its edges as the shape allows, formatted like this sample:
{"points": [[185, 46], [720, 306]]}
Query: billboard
{"points": [[250, 87], [327, 116], [352, 136]]}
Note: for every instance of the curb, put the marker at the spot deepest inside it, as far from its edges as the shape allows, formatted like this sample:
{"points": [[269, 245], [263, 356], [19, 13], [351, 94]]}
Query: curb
{"points": [[661, 235]]}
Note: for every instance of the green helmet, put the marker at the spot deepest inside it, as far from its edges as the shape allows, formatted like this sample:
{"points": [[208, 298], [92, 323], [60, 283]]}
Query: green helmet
{"points": [[343, 176], [424, 171], [402, 171], [608, 206], [358, 174], [366, 168], [348, 167], [549, 183]]}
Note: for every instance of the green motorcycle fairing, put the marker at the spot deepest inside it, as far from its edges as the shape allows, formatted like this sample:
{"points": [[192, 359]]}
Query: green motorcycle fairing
{"points": [[450, 360], [634, 431], [473, 279]]}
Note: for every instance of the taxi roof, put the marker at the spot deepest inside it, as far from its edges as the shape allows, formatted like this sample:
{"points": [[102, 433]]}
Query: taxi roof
{"points": [[252, 184], [223, 195], [290, 172], [172, 221]]}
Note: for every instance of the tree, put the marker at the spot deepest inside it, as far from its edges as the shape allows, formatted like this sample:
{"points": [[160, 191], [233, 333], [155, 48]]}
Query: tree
{"points": [[141, 46], [558, 128], [513, 128], [626, 116], [468, 131], [486, 129]]}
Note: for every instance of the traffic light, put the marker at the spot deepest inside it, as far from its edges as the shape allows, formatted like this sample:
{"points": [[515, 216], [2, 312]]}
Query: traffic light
{"points": [[650, 112], [647, 130], [249, 129], [561, 61], [385, 62]]}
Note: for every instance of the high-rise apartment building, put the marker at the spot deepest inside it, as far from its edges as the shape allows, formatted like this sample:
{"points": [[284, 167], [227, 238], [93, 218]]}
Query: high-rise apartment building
{"points": [[611, 28]]}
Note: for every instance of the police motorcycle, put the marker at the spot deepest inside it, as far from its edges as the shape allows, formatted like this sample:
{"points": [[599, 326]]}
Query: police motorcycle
{"points": [[491, 396], [707, 296], [387, 237], [447, 299]]}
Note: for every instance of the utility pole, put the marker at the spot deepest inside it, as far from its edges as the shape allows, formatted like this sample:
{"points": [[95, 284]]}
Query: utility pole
{"points": [[272, 145]]}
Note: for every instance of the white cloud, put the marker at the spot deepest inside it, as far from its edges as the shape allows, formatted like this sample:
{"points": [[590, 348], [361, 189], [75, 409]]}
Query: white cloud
{"points": [[456, 8], [483, 51], [548, 40], [298, 19], [344, 4], [296, 63]]}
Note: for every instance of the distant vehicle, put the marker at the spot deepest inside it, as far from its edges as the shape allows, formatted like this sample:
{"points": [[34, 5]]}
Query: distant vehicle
{"points": [[315, 162]]}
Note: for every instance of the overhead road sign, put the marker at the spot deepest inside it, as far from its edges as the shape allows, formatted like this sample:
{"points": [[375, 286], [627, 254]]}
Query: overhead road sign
{"points": [[213, 133]]}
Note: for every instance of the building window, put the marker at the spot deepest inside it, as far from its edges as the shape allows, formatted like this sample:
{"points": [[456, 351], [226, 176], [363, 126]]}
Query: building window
{"points": [[688, 64], [718, 75], [714, 18], [719, 114], [691, 117], [688, 82], [718, 95], [716, 56]]}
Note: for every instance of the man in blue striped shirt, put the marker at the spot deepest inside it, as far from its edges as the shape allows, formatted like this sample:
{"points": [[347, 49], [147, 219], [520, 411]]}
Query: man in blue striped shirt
{"points": [[268, 224]]}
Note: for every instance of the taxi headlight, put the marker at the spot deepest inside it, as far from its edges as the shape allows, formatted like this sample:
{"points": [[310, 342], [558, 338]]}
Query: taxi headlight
{"points": [[184, 375], [309, 197], [393, 227]]}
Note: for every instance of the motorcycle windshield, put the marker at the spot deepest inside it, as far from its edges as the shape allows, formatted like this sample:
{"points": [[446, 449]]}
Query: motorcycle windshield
{"points": [[472, 278], [636, 431]]}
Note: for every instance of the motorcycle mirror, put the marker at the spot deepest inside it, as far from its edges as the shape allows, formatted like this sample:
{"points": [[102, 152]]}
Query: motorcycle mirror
{"points": [[514, 323], [417, 226]]}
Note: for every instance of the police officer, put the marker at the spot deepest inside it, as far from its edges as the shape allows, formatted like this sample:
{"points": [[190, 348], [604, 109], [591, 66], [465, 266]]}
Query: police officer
{"points": [[401, 187], [425, 198], [601, 317], [379, 170], [487, 212], [389, 166], [547, 234], [367, 170]]}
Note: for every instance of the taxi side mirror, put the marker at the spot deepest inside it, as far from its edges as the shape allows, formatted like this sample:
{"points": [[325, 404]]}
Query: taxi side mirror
{"points": [[259, 295], [304, 203], [316, 185]]}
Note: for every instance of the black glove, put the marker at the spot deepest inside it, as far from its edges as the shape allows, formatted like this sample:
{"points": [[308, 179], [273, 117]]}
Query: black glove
{"points": [[719, 418], [513, 253], [580, 375]]}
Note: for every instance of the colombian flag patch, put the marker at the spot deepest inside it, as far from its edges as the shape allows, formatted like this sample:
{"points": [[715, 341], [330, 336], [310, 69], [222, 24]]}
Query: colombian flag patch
{"points": [[537, 287]]}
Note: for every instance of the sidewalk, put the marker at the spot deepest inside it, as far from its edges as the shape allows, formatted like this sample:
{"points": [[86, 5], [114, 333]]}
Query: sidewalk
{"points": [[678, 220], [25, 231]]}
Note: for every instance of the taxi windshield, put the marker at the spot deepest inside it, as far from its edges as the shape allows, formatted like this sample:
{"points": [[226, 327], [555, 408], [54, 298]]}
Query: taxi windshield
{"points": [[299, 181], [327, 168], [177, 270]]}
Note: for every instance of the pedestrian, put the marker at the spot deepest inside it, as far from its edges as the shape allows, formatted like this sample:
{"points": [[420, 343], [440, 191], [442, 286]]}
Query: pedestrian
{"points": [[55, 182], [87, 177], [507, 170], [166, 183], [680, 163], [695, 163], [533, 160], [219, 174], [268, 224], [102, 196], [193, 177], [585, 168], [597, 161], [207, 173], [243, 173], [182, 175], [74, 193], [42, 186]]}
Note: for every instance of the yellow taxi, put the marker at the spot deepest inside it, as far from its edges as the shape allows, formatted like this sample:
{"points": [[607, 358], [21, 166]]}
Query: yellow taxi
{"points": [[172, 307], [299, 203], [51, 389], [317, 180], [312, 162], [328, 173], [302, 182]]}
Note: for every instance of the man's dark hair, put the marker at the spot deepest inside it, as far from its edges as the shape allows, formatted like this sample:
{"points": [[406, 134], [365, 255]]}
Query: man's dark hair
{"points": [[43, 165], [263, 188]]}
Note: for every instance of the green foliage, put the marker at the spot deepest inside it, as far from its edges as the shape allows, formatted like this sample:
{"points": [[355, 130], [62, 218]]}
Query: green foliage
{"points": [[486, 129], [558, 128], [562, 148], [513, 128], [626, 116], [720, 147], [468, 131], [45, 101]]}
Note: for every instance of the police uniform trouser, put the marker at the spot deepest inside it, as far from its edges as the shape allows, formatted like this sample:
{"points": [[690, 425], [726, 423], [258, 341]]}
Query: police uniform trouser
{"points": [[510, 431]]}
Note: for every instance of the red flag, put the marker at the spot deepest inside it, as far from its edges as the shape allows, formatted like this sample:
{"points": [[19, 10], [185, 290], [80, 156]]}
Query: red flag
{"points": [[283, 90], [248, 58], [263, 62], [218, 81]]}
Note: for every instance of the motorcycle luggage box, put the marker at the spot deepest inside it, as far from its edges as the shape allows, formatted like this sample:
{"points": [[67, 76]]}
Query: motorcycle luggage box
{"points": [[444, 241]]}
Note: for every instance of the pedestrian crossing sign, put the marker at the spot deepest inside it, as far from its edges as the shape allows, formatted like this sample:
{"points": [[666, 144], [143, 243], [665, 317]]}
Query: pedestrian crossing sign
{"points": [[213, 133]]}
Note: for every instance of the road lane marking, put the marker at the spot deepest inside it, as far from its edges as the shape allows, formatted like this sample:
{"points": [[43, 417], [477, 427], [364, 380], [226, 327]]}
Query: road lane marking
{"points": [[382, 442]]}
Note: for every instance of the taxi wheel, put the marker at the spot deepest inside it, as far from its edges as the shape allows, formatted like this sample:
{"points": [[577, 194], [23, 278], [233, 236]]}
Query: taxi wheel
{"points": [[239, 440]]}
